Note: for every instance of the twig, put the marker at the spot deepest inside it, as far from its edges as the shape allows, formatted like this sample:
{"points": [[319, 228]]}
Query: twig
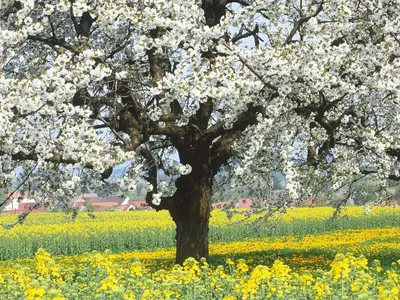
{"points": [[16, 189]]}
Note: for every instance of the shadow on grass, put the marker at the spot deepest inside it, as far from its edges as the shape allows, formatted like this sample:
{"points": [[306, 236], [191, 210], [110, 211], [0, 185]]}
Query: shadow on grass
{"points": [[296, 260]]}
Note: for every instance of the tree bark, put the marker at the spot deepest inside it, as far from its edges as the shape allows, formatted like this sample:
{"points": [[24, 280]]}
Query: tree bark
{"points": [[191, 240], [191, 211]]}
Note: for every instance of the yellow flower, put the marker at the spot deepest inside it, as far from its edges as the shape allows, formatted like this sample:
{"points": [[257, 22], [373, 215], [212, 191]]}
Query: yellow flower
{"points": [[306, 280], [230, 262], [321, 289], [129, 295], [136, 268], [108, 284], [280, 270], [168, 293], [241, 266], [191, 265], [35, 293]]}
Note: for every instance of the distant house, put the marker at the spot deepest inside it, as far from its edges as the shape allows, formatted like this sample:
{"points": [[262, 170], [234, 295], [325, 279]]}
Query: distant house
{"points": [[127, 207], [310, 202], [244, 203], [16, 195], [225, 204], [84, 198], [79, 205], [98, 203], [14, 200], [394, 203], [27, 204], [140, 205], [18, 203], [117, 199], [104, 205], [89, 197]]}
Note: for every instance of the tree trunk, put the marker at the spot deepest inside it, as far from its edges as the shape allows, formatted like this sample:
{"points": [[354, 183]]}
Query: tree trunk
{"points": [[191, 214], [191, 240]]}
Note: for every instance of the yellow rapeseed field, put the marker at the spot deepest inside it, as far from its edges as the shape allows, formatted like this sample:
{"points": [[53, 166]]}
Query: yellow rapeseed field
{"points": [[59, 234], [312, 251], [51, 224], [298, 262], [100, 276]]}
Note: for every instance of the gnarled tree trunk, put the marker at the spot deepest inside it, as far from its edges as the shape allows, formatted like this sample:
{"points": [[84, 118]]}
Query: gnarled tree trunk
{"points": [[191, 211]]}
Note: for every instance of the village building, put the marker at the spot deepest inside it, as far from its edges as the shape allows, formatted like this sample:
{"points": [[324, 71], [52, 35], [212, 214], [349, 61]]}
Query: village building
{"points": [[18, 203], [219, 205], [140, 205], [107, 203], [244, 203]]}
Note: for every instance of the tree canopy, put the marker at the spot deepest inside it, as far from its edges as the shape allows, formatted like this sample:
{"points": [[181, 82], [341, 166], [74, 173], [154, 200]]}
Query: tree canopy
{"points": [[101, 93]]}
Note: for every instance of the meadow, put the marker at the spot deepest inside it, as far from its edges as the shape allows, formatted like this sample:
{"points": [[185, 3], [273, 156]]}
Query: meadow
{"points": [[59, 234], [303, 254]]}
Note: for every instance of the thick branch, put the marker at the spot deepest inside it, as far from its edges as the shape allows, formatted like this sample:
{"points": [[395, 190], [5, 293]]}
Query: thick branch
{"points": [[56, 158], [241, 2], [222, 150], [244, 120], [214, 10], [52, 42], [85, 23], [200, 120], [394, 152], [391, 176]]}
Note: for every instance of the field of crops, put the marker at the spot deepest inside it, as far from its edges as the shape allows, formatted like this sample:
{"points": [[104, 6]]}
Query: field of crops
{"points": [[107, 276], [294, 256]]}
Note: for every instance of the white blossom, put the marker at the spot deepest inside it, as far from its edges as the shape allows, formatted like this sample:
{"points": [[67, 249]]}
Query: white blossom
{"points": [[319, 103], [183, 169], [156, 200]]}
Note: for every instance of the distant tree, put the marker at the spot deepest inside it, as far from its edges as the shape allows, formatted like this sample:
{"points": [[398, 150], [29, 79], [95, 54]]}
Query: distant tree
{"points": [[396, 194], [193, 88], [89, 207], [365, 191]]}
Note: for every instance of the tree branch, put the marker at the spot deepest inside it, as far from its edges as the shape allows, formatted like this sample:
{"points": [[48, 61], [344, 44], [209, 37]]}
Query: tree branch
{"points": [[17, 188], [245, 119], [391, 176], [252, 70], [56, 158], [52, 42], [240, 36], [301, 21]]}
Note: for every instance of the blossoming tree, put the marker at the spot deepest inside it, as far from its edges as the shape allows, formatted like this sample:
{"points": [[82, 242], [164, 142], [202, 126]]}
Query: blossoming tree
{"points": [[189, 88]]}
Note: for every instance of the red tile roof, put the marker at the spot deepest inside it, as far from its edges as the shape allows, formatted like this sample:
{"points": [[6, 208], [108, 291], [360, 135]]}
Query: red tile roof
{"points": [[78, 204], [18, 211], [140, 204], [244, 203], [126, 207], [118, 199], [104, 205], [221, 204], [16, 195]]}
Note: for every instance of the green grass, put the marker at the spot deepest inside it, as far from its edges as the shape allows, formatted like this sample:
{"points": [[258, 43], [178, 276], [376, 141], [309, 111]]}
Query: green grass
{"points": [[299, 228], [153, 238]]}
